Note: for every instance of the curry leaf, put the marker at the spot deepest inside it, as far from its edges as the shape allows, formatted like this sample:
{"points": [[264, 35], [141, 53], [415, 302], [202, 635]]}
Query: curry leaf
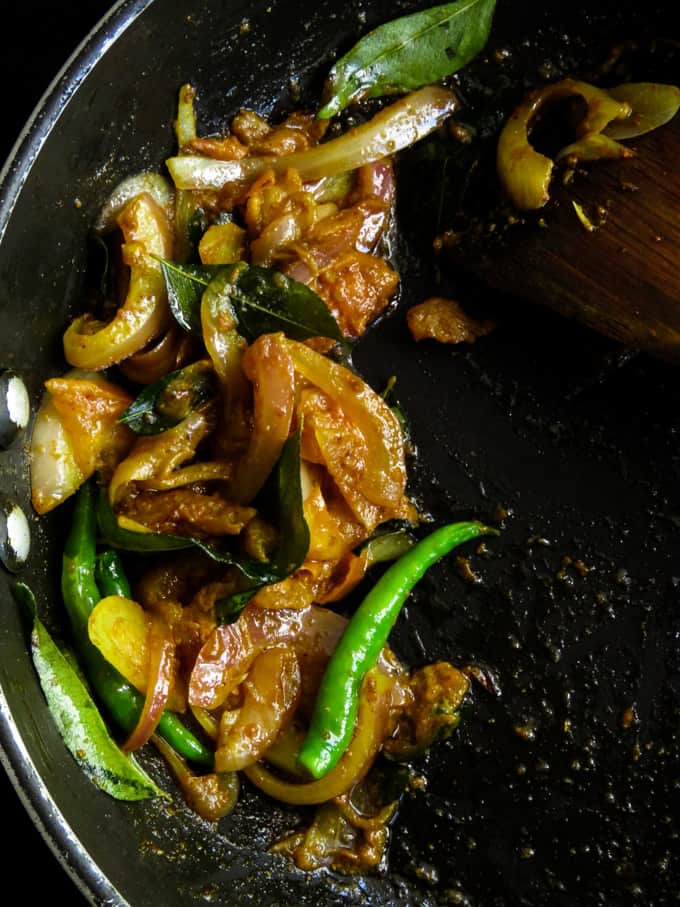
{"points": [[166, 402], [77, 718], [263, 300], [144, 541], [409, 52], [266, 301], [282, 501], [185, 285]]}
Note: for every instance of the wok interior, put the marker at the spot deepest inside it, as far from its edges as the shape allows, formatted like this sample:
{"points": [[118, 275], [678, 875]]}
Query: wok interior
{"points": [[544, 787]]}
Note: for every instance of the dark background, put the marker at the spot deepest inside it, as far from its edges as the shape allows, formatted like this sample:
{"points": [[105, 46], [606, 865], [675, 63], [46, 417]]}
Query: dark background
{"points": [[40, 36]]}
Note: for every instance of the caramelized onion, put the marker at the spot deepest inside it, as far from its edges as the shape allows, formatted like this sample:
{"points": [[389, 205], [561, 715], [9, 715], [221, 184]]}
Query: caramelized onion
{"points": [[165, 354], [212, 471], [157, 456], [93, 344], [211, 796], [383, 479], [231, 649], [160, 671], [269, 367], [270, 696], [403, 123], [89, 411]]}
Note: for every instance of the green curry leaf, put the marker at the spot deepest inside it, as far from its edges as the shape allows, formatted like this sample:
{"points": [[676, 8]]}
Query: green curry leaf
{"points": [[221, 551], [409, 52], [77, 718], [168, 401], [263, 300], [266, 301], [282, 502], [185, 285]]}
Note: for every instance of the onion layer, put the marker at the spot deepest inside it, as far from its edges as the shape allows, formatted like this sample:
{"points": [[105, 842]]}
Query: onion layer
{"points": [[161, 650], [270, 369], [383, 479], [157, 456], [89, 411], [120, 629], [396, 127], [157, 186], [93, 344], [653, 105], [371, 729], [75, 431], [55, 474], [525, 173], [270, 696], [231, 649]]}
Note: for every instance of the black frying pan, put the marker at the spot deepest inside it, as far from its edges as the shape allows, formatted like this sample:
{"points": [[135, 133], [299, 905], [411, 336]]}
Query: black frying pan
{"points": [[548, 794]]}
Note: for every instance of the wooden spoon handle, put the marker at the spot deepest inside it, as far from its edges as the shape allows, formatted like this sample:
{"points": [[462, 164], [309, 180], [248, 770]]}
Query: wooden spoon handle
{"points": [[623, 278]]}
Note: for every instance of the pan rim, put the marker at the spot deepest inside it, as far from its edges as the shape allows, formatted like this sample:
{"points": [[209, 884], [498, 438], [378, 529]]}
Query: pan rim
{"points": [[16, 761], [56, 98]]}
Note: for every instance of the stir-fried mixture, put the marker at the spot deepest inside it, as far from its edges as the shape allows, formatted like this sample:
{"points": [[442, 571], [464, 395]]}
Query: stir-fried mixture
{"points": [[235, 479]]}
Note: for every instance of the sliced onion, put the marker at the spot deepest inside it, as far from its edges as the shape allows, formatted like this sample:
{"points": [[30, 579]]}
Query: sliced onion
{"points": [[333, 529], [276, 236], [231, 649], [271, 693], [283, 753], [270, 369], [211, 796], [384, 478], [185, 124], [152, 363], [213, 471], [161, 649], [396, 127], [55, 475], [92, 344], [345, 454], [157, 456], [524, 173], [226, 347], [207, 720], [89, 411], [157, 186], [75, 429], [331, 188], [653, 105], [120, 629], [595, 147]]}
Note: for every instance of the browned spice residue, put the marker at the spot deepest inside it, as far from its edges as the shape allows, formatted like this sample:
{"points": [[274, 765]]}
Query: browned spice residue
{"points": [[442, 319]]}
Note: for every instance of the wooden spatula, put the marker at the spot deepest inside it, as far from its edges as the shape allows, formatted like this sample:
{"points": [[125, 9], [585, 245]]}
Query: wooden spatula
{"points": [[621, 276]]}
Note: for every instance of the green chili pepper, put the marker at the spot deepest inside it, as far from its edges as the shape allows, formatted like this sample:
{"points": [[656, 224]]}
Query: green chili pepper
{"points": [[337, 702], [110, 575], [81, 594]]}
